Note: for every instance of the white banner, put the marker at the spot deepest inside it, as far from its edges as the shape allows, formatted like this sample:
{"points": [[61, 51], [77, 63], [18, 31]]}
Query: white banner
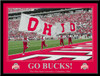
{"points": [[65, 27], [35, 24], [26, 23]]}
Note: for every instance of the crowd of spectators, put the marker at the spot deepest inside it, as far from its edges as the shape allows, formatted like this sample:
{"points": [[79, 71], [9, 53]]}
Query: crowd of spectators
{"points": [[10, 10], [83, 19]]}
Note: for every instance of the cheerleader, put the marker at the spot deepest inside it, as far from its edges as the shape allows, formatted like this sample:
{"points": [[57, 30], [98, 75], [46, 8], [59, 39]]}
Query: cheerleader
{"points": [[43, 43], [69, 39], [61, 40], [25, 42]]}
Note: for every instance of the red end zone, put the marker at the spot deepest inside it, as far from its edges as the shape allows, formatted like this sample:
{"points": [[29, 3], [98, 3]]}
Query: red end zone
{"points": [[74, 52]]}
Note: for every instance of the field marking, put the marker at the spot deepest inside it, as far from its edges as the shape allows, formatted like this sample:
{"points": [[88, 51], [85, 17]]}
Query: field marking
{"points": [[89, 43], [77, 48], [89, 52], [74, 47], [55, 57], [82, 47]]}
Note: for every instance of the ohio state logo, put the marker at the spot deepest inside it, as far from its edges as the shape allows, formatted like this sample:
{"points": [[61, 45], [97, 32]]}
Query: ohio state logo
{"points": [[84, 66], [15, 66]]}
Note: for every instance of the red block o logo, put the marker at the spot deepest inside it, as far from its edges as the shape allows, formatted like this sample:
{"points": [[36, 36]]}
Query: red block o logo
{"points": [[30, 22]]}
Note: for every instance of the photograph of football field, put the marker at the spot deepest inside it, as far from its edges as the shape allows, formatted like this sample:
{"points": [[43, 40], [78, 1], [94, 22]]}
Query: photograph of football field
{"points": [[80, 49]]}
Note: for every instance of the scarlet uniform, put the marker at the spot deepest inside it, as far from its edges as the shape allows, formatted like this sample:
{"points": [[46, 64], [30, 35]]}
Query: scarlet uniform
{"points": [[43, 42], [69, 39], [61, 41], [25, 40]]}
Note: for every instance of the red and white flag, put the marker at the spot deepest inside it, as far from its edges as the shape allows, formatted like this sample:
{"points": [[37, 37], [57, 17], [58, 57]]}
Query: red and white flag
{"points": [[35, 24], [66, 27]]}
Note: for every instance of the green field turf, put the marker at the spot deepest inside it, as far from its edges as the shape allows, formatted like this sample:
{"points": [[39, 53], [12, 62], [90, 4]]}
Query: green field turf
{"points": [[15, 47]]}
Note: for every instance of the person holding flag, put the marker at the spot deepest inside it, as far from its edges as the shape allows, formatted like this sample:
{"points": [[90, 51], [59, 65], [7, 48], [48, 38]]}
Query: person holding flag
{"points": [[61, 41], [43, 43], [69, 39], [25, 43]]}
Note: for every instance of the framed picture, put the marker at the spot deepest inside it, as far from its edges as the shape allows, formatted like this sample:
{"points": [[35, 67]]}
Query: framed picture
{"points": [[49, 38]]}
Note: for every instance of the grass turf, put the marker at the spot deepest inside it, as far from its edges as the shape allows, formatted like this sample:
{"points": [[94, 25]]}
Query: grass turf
{"points": [[15, 47]]}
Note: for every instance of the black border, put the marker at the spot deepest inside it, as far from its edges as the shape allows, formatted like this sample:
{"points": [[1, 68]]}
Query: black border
{"points": [[50, 0], [40, 1], [0, 39]]}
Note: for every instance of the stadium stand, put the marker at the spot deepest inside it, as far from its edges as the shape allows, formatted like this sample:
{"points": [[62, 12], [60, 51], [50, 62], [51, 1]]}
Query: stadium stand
{"points": [[82, 18]]}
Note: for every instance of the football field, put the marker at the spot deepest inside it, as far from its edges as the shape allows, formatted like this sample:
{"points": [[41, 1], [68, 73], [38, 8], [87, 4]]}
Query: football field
{"points": [[15, 47], [74, 52]]}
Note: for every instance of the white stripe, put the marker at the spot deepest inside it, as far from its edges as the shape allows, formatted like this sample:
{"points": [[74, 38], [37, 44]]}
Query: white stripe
{"points": [[27, 57], [77, 48], [82, 47], [85, 45], [89, 52], [70, 51], [54, 57], [74, 47], [89, 43]]}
